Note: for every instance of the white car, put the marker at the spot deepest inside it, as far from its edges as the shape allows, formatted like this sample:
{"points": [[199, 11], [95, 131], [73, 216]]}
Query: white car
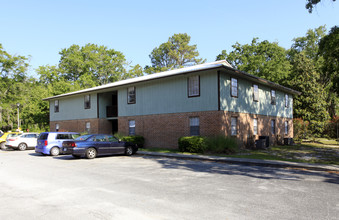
{"points": [[22, 141]]}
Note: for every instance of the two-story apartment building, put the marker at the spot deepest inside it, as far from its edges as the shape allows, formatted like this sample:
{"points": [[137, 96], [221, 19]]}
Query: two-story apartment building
{"points": [[206, 99]]}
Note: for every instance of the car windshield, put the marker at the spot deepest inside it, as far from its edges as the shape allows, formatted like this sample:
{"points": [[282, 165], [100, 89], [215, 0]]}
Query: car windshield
{"points": [[83, 137], [1, 134]]}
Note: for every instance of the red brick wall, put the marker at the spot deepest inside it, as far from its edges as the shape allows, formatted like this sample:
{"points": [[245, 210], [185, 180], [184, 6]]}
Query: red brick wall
{"points": [[164, 130]]}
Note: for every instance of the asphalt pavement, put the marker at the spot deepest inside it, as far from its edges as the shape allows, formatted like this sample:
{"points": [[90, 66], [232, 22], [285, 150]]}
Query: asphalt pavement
{"points": [[245, 161]]}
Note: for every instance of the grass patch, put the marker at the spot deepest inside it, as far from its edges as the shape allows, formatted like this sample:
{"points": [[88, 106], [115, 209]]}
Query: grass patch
{"points": [[304, 152]]}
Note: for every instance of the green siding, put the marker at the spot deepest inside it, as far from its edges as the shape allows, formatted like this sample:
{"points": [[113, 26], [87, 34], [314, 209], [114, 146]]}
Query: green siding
{"points": [[72, 108], [245, 104], [169, 95], [105, 99]]}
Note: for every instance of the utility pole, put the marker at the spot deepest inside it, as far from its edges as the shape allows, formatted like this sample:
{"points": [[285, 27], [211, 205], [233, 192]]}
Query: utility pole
{"points": [[18, 105]]}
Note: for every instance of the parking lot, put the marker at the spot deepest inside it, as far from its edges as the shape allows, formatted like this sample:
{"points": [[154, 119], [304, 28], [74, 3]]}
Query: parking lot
{"points": [[139, 187]]}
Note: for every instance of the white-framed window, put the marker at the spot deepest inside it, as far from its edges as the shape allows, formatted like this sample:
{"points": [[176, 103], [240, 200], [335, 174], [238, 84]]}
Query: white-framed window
{"points": [[88, 127], [255, 93], [273, 126], [286, 100], [131, 127], [194, 126], [56, 106], [234, 87], [234, 129], [286, 127], [193, 86], [255, 126], [87, 101], [57, 127], [131, 97], [273, 97]]}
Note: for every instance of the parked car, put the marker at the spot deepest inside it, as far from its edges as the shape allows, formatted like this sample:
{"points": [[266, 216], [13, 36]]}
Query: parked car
{"points": [[22, 141], [93, 145], [50, 143], [4, 136]]}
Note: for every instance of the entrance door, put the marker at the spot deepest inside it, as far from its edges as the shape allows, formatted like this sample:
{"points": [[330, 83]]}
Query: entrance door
{"points": [[114, 126]]}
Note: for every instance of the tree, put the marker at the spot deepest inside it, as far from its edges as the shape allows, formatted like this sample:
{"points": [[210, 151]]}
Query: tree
{"points": [[309, 43], [311, 3], [311, 105], [175, 53], [329, 50], [263, 59], [98, 62], [12, 82]]}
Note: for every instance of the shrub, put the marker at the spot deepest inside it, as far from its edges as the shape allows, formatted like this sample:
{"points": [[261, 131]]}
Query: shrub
{"points": [[221, 144], [194, 144], [300, 128], [136, 139]]}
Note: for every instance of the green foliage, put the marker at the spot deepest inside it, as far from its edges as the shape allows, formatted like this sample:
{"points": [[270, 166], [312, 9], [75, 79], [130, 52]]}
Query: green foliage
{"points": [[175, 53], [136, 139], [193, 144], [102, 64], [311, 3], [221, 145], [311, 105], [218, 144], [300, 129], [263, 59]]}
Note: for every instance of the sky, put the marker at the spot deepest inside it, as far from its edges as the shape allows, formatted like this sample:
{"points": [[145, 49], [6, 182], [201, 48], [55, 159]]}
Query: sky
{"points": [[42, 28]]}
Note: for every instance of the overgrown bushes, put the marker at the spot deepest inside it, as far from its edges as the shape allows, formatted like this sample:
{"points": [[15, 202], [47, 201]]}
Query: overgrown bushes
{"points": [[136, 139], [218, 144], [194, 144]]}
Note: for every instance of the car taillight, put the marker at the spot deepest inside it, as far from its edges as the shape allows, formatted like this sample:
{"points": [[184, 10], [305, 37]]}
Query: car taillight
{"points": [[73, 144], [46, 143], [12, 139]]}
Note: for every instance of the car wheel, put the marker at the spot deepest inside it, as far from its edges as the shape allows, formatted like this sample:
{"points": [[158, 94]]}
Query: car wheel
{"points": [[3, 147], [129, 151], [91, 153], [22, 146], [75, 156], [55, 151]]}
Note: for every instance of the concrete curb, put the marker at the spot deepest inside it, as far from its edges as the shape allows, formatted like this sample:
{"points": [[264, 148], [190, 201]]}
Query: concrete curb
{"points": [[245, 161]]}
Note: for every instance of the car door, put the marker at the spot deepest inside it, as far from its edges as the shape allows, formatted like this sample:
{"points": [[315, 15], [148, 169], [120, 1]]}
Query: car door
{"points": [[116, 146], [31, 140], [102, 144]]}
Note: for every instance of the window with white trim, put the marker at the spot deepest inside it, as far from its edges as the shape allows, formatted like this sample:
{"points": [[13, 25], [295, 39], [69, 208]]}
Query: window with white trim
{"points": [[193, 86], [286, 127], [255, 126], [234, 87], [273, 97], [56, 106], [234, 129], [131, 127], [255, 92], [87, 101], [194, 126], [286, 100], [131, 97], [88, 127], [273, 126]]}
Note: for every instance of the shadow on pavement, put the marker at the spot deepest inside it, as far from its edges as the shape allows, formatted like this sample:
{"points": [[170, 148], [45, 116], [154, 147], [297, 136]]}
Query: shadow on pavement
{"points": [[260, 172]]}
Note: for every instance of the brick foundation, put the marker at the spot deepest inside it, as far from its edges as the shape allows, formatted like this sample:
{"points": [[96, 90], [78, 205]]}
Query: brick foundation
{"points": [[163, 130], [97, 125]]}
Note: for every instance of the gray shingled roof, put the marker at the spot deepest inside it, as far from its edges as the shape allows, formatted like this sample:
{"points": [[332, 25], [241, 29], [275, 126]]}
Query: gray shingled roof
{"points": [[205, 66]]}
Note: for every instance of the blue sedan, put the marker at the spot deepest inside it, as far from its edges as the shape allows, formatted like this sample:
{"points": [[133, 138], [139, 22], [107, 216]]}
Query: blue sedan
{"points": [[93, 145]]}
